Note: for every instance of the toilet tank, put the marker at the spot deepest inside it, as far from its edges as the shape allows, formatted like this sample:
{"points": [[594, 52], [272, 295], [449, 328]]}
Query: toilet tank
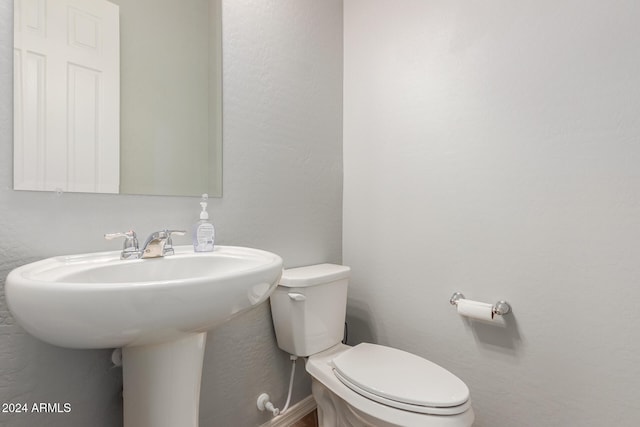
{"points": [[308, 308]]}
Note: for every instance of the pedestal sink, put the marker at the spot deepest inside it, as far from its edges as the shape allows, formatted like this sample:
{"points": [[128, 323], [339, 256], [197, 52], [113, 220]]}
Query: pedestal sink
{"points": [[157, 310]]}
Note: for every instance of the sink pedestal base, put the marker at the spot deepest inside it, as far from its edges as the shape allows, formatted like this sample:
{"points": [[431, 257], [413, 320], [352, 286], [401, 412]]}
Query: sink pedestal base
{"points": [[161, 382]]}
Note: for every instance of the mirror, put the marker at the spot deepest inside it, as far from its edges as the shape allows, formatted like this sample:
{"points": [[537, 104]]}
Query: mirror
{"points": [[119, 96]]}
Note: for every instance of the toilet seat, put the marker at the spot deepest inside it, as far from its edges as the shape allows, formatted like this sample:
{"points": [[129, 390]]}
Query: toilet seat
{"points": [[401, 380]]}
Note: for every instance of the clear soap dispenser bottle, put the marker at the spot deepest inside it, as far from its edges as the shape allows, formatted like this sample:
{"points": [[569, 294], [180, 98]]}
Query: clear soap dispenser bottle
{"points": [[203, 231]]}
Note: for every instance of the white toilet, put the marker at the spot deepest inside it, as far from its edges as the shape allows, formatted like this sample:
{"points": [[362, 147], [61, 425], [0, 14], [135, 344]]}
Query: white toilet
{"points": [[365, 385]]}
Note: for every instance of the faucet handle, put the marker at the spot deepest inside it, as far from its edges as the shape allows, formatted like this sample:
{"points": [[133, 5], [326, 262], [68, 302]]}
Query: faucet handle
{"points": [[176, 232], [168, 247], [128, 234], [130, 247]]}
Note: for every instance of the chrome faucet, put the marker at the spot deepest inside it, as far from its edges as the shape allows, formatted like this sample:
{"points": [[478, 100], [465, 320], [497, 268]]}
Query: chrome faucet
{"points": [[158, 244]]}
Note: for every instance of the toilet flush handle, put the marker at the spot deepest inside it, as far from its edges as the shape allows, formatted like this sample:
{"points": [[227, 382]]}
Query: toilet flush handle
{"points": [[296, 296]]}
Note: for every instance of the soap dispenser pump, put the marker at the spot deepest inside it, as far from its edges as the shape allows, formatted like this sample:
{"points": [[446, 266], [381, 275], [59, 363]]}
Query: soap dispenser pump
{"points": [[203, 231]]}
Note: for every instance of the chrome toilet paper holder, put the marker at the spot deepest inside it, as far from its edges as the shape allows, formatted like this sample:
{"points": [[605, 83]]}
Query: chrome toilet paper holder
{"points": [[501, 307]]}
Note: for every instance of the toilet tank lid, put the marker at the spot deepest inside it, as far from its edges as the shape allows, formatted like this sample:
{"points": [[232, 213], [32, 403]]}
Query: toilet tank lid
{"points": [[312, 275]]}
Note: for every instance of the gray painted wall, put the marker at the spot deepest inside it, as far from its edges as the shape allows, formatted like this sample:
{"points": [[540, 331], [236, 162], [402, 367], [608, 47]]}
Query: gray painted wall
{"points": [[493, 148], [282, 78]]}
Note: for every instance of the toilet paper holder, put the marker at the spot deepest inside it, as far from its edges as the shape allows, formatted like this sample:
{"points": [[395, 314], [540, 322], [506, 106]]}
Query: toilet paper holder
{"points": [[501, 307]]}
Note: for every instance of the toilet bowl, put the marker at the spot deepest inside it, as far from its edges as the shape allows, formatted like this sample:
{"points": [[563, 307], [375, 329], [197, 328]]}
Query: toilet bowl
{"points": [[364, 385]]}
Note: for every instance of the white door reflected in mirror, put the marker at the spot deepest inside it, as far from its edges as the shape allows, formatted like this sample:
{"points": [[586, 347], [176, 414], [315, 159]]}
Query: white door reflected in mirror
{"points": [[67, 96]]}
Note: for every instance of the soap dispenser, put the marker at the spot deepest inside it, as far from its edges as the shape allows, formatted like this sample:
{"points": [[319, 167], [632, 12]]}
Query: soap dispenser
{"points": [[203, 231]]}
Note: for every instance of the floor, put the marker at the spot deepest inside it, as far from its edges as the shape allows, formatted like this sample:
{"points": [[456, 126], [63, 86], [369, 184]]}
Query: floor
{"points": [[309, 420]]}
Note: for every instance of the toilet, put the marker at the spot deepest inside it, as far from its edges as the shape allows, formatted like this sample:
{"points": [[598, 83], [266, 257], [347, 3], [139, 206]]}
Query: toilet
{"points": [[364, 385]]}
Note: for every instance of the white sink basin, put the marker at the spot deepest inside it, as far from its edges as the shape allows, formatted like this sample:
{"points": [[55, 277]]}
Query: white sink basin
{"points": [[100, 301], [158, 310]]}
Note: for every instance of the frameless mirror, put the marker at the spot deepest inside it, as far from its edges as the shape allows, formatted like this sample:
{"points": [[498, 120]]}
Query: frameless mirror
{"points": [[120, 96]]}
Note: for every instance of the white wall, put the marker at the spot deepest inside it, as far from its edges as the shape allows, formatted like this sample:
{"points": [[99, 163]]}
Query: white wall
{"points": [[282, 192], [493, 148]]}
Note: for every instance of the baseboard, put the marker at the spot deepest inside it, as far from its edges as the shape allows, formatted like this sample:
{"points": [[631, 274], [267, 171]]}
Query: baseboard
{"points": [[293, 414]]}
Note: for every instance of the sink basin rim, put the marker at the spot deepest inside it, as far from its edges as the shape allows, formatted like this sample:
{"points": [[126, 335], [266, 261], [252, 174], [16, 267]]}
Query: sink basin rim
{"points": [[46, 271]]}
